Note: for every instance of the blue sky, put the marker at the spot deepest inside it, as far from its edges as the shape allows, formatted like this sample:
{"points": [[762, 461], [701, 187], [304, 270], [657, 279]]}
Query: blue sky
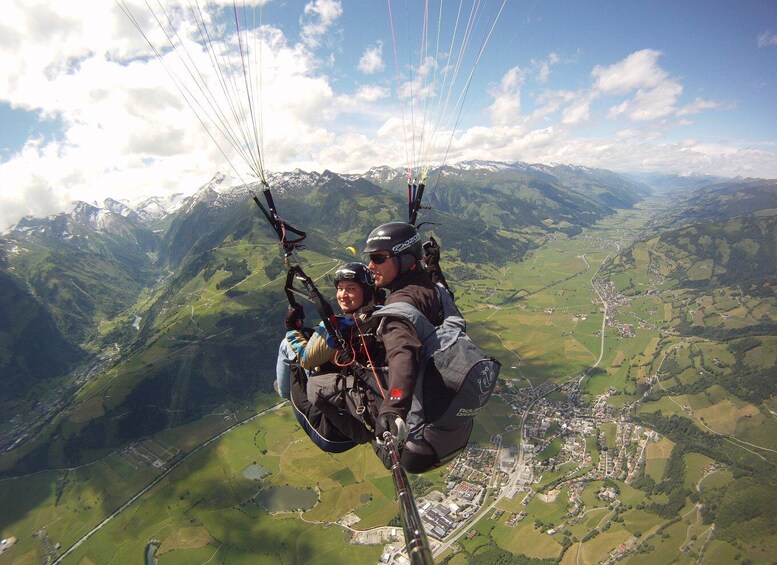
{"points": [[86, 112]]}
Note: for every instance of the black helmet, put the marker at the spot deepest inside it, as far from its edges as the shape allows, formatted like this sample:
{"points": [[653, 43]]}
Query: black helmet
{"points": [[360, 273], [399, 238]]}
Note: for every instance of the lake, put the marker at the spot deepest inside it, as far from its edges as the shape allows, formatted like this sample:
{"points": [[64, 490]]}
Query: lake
{"points": [[287, 499]]}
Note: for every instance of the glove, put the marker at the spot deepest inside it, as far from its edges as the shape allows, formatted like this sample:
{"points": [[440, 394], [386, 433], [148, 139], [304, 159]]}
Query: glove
{"points": [[431, 246], [294, 317], [392, 424], [431, 256], [381, 450]]}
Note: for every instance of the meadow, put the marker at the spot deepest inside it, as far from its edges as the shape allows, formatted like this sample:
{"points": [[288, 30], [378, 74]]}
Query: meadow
{"points": [[542, 320]]}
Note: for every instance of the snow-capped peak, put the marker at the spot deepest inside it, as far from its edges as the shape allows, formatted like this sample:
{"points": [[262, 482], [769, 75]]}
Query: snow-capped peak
{"points": [[479, 165], [157, 207]]}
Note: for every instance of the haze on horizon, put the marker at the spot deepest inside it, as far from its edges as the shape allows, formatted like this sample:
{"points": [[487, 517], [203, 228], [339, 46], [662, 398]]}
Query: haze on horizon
{"points": [[637, 86]]}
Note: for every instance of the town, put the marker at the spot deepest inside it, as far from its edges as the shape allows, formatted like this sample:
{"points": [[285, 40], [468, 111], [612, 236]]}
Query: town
{"points": [[554, 435]]}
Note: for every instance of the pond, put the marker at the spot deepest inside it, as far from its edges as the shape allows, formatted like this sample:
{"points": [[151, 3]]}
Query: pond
{"points": [[151, 553], [287, 499], [255, 472]]}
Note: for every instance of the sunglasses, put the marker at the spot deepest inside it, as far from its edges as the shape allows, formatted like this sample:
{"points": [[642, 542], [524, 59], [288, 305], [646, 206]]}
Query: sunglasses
{"points": [[378, 258]]}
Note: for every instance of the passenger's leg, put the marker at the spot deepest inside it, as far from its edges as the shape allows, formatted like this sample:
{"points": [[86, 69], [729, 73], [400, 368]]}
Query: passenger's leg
{"points": [[326, 392], [313, 421]]}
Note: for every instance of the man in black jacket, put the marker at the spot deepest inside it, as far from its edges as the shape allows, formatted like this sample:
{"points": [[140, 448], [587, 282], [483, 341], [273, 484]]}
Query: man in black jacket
{"points": [[395, 252]]}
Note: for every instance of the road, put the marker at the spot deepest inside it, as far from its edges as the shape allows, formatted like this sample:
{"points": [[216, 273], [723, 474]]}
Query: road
{"points": [[732, 439], [461, 529], [156, 481]]}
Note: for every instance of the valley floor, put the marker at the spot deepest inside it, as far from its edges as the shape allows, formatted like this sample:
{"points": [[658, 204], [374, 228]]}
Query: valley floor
{"points": [[576, 460]]}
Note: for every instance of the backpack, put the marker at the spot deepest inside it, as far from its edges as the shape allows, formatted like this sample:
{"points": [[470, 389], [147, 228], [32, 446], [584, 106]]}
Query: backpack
{"points": [[455, 381]]}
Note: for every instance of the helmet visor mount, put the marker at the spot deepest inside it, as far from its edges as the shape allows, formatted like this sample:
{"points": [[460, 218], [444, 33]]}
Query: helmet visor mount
{"points": [[345, 275]]}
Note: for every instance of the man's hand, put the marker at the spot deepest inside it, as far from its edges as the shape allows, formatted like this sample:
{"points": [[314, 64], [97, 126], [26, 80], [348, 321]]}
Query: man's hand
{"points": [[388, 427], [392, 424], [295, 315], [381, 450]]}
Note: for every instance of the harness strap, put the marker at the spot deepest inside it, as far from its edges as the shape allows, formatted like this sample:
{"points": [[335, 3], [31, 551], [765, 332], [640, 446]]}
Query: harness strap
{"points": [[339, 399], [370, 364]]}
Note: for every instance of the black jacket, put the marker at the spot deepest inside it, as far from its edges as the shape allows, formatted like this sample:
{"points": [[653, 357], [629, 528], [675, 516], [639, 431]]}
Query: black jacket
{"points": [[403, 348]]}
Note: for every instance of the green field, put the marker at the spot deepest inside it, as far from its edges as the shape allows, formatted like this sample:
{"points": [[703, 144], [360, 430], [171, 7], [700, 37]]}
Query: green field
{"points": [[541, 322], [523, 330], [208, 491]]}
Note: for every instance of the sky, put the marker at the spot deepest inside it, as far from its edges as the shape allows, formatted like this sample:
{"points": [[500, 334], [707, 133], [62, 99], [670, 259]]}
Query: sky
{"points": [[87, 111]]}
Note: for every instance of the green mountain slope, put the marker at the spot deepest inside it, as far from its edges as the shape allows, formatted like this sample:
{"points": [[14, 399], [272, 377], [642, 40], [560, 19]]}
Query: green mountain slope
{"points": [[520, 195], [717, 201], [190, 314], [31, 345], [80, 274], [739, 251], [711, 388]]}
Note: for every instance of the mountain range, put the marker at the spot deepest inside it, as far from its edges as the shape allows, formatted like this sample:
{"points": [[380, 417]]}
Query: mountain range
{"points": [[178, 300]]}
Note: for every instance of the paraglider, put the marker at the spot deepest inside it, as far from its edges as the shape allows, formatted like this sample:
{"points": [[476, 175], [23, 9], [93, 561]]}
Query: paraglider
{"points": [[214, 57], [443, 53]]}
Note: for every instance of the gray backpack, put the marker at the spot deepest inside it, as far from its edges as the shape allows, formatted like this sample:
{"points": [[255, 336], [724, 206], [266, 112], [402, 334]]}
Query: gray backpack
{"points": [[455, 381]]}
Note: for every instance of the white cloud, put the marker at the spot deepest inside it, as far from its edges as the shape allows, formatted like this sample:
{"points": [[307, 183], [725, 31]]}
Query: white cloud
{"points": [[353, 150], [372, 93], [421, 85], [318, 18], [767, 39], [392, 127], [578, 112], [649, 104], [700, 105], [543, 67], [636, 89], [639, 70], [506, 108], [371, 61], [550, 101], [654, 95], [361, 111]]}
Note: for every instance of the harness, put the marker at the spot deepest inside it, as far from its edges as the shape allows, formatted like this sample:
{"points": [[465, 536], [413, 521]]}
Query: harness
{"points": [[363, 377]]}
